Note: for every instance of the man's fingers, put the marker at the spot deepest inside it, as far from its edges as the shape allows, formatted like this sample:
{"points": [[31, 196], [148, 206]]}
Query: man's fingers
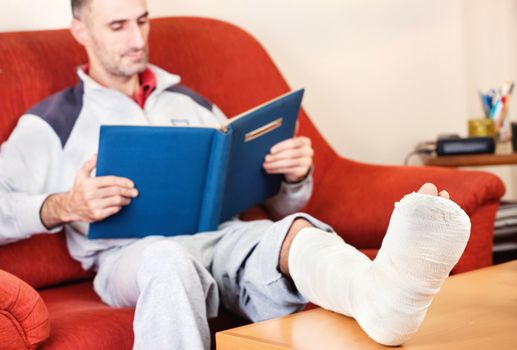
{"points": [[100, 205], [110, 211], [113, 201], [108, 181], [105, 192], [297, 170], [101, 214], [99, 209], [287, 163], [290, 153], [294, 142]]}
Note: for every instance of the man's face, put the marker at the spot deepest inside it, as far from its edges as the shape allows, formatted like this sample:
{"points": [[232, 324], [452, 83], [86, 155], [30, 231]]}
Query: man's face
{"points": [[117, 32]]}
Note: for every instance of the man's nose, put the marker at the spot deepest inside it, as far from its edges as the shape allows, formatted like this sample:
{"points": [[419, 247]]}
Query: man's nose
{"points": [[136, 36]]}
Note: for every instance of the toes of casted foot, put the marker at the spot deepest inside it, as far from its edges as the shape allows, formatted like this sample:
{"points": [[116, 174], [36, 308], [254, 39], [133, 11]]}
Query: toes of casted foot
{"points": [[444, 194], [428, 188]]}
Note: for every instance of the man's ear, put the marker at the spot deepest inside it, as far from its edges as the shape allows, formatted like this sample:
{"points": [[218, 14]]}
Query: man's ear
{"points": [[79, 32]]}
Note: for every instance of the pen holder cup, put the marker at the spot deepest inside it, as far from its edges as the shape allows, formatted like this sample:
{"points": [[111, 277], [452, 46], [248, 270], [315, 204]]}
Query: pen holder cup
{"points": [[483, 127]]}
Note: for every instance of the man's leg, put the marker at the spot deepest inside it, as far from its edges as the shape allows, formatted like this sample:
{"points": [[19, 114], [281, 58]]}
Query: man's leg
{"points": [[388, 297], [245, 266], [173, 293]]}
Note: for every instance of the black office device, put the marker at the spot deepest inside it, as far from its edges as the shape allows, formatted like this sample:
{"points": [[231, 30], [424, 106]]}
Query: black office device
{"points": [[460, 146]]}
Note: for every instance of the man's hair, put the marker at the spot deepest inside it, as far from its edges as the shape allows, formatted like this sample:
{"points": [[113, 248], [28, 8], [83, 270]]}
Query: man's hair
{"points": [[78, 6]]}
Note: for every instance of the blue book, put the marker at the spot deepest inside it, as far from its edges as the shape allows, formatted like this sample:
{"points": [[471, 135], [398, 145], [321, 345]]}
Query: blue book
{"points": [[190, 179]]}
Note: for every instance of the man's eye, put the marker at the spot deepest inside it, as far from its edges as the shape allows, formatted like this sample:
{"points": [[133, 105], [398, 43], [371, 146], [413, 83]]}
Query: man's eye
{"points": [[116, 26], [142, 21]]}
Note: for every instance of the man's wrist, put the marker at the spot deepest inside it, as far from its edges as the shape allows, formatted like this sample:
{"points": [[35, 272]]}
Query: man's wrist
{"points": [[54, 211], [299, 180]]}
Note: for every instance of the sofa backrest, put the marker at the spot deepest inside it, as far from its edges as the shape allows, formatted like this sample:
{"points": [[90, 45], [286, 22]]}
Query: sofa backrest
{"points": [[217, 59]]}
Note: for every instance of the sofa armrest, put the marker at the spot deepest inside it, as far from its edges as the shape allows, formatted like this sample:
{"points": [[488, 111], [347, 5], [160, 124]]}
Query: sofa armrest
{"points": [[24, 318], [357, 199]]}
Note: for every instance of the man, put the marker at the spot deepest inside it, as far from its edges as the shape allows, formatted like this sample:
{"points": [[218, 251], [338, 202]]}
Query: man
{"points": [[257, 269]]}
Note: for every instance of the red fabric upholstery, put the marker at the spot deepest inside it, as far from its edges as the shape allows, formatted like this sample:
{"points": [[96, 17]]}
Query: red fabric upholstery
{"points": [[358, 192], [22, 314], [230, 68], [41, 261], [80, 321]]}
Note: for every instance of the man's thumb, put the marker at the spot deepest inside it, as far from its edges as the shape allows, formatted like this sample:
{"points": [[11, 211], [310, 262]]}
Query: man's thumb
{"points": [[88, 166]]}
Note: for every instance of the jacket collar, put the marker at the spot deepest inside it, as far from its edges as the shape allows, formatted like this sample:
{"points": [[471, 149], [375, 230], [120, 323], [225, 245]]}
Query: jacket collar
{"points": [[164, 79]]}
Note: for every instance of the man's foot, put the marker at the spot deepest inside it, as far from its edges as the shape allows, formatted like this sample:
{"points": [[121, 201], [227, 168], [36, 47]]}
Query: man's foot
{"points": [[430, 189], [388, 297]]}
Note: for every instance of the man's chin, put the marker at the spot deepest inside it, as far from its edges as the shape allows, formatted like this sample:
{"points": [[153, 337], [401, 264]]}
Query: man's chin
{"points": [[133, 69]]}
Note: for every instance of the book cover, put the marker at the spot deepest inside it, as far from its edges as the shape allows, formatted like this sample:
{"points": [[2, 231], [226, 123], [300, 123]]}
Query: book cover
{"points": [[190, 179]]}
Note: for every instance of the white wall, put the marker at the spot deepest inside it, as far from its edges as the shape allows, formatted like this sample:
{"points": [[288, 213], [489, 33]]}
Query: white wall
{"points": [[381, 75]]}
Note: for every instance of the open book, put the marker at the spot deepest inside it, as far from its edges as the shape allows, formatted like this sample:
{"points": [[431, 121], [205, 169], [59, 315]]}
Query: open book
{"points": [[190, 179]]}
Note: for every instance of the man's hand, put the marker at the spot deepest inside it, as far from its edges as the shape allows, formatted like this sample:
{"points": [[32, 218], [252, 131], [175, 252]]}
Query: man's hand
{"points": [[91, 198], [292, 158]]}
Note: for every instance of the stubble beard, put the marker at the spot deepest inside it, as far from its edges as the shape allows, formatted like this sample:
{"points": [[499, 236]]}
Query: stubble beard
{"points": [[124, 67], [128, 69]]}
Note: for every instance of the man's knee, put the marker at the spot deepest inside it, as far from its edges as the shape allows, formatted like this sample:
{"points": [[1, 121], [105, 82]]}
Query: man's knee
{"points": [[165, 259]]}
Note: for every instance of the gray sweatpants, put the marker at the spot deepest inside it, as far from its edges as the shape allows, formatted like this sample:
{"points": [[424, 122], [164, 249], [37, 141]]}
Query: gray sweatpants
{"points": [[176, 283]]}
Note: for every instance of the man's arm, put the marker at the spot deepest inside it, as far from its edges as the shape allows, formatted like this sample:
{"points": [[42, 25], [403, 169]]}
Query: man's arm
{"points": [[27, 164], [30, 162]]}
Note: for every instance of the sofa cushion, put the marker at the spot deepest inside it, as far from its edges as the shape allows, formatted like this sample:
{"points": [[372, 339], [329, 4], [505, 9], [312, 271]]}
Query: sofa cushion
{"points": [[80, 320], [41, 261], [24, 319]]}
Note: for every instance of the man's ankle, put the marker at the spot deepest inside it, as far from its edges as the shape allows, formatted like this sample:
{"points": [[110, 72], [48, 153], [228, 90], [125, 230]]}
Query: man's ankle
{"points": [[283, 261]]}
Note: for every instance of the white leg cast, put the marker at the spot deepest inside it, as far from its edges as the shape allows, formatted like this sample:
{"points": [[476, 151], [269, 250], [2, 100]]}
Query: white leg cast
{"points": [[388, 297]]}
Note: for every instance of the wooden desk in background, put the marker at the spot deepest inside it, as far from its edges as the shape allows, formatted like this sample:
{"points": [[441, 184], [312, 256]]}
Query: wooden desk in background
{"points": [[472, 160], [503, 155], [474, 310]]}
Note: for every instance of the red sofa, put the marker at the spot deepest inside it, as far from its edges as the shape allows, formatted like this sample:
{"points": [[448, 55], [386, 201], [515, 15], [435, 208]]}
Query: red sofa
{"points": [[47, 300]]}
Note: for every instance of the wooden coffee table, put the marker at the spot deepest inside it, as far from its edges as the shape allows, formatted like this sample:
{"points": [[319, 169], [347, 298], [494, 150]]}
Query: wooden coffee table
{"points": [[474, 310]]}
